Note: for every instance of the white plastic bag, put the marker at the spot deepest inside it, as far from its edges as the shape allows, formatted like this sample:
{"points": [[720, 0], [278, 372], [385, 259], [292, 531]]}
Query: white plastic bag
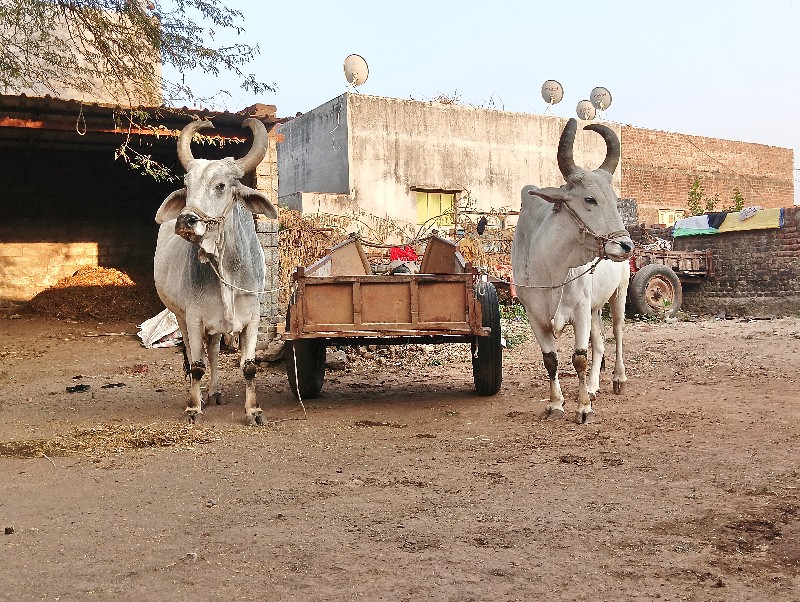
{"points": [[160, 331]]}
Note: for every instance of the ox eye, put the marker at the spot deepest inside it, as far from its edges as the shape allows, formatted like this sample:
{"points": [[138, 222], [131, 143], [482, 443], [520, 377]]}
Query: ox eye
{"points": [[221, 186], [591, 200]]}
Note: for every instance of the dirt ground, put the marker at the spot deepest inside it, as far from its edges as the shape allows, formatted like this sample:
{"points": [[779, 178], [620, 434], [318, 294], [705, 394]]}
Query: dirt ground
{"points": [[399, 483]]}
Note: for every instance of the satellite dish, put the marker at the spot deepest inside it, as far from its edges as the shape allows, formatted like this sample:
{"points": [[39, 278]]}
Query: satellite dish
{"points": [[586, 110], [355, 70], [601, 98], [552, 92]]}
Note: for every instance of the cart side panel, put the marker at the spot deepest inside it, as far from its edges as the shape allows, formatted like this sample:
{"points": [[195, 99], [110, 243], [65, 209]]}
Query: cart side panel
{"points": [[328, 303], [442, 302], [398, 305], [387, 303]]}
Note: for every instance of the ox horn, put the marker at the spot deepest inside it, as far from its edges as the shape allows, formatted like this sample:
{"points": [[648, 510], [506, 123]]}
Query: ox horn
{"points": [[185, 140], [612, 146], [259, 148], [565, 161]]}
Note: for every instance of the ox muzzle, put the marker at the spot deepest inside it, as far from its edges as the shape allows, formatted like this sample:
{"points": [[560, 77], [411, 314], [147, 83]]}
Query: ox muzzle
{"points": [[618, 248], [191, 227]]}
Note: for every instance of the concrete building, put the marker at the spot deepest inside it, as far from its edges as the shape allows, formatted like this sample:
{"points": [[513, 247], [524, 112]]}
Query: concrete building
{"points": [[410, 160], [106, 90]]}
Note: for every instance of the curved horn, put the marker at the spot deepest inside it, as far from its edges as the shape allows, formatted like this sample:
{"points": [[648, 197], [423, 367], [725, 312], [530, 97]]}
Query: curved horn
{"points": [[565, 161], [259, 148], [612, 146], [185, 140]]}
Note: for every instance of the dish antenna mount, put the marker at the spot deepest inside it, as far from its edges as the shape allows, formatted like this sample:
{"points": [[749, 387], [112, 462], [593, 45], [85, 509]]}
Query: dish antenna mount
{"points": [[552, 92], [586, 110], [600, 98], [356, 70]]}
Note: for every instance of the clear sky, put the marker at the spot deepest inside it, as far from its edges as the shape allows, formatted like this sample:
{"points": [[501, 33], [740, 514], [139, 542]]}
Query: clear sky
{"points": [[720, 68]]}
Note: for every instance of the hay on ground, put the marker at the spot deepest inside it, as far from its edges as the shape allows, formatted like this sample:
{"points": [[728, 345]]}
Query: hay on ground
{"points": [[106, 439], [95, 293]]}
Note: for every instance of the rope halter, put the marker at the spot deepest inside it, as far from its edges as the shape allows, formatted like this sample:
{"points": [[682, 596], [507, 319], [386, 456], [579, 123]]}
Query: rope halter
{"points": [[601, 239]]}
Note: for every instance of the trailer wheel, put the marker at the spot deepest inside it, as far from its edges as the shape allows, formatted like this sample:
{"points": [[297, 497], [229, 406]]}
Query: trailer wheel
{"points": [[487, 352], [655, 290], [309, 356]]}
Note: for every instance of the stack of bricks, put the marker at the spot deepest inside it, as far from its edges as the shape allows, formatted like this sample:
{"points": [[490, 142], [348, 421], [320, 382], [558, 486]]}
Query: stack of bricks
{"points": [[267, 232]]}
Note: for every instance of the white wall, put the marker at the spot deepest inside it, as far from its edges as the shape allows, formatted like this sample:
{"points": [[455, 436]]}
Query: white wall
{"points": [[396, 145], [313, 154]]}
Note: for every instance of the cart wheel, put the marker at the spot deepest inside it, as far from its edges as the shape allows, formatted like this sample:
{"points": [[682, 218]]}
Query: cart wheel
{"points": [[309, 356], [655, 290], [487, 352]]}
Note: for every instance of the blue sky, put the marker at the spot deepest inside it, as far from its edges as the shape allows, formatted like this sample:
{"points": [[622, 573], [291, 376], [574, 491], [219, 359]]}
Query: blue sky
{"points": [[720, 68]]}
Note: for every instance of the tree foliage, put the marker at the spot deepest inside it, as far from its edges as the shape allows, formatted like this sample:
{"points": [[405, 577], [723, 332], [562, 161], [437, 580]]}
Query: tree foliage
{"points": [[50, 45], [696, 200], [737, 200]]}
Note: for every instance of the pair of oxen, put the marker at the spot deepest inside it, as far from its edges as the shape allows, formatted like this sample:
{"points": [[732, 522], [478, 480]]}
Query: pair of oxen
{"points": [[569, 258]]}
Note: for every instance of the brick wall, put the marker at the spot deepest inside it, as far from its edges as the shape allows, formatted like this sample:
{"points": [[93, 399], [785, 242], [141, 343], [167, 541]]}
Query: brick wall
{"points": [[266, 172], [271, 312], [757, 271], [34, 255], [658, 169]]}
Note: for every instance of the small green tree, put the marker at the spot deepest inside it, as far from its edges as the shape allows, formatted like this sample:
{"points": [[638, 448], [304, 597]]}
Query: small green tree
{"points": [[695, 198], [738, 200], [697, 201]]}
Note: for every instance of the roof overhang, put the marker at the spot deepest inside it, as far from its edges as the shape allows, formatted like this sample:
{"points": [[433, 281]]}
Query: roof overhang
{"points": [[46, 118]]}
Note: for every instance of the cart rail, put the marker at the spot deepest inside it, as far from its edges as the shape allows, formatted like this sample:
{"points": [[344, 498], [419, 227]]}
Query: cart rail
{"points": [[685, 264]]}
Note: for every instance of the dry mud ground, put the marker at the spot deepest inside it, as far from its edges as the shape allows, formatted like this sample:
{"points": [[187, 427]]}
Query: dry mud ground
{"points": [[399, 483]]}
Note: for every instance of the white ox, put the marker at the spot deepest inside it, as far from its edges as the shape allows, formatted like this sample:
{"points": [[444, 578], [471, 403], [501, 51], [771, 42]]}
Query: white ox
{"points": [[563, 239], [209, 266]]}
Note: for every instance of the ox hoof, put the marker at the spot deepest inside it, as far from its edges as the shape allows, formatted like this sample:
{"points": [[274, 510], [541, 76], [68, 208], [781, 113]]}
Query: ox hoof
{"points": [[584, 417], [553, 414], [620, 387], [215, 399], [255, 419], [193, 415]]}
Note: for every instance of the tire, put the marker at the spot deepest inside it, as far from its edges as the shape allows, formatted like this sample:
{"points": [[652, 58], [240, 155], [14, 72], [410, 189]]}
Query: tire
{"points": [[309, 354], [655, 290], [487, 352]]}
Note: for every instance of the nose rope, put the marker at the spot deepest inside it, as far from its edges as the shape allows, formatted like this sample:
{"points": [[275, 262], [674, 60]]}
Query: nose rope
{"points": [[217, 221], [207, 219], [238, 288], [600, 238]]}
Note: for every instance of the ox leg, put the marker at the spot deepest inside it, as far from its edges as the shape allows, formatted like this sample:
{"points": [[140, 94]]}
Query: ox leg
{"points": [[580, 361], [597, 340], [618, 320], [247, 343], [193, 340], [555, 407], [547, 341], [214, 388]]}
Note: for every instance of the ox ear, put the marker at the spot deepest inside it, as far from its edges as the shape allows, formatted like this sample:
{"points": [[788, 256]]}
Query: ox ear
{"points": [[256, 202], [551, 195], [172, 206]]}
